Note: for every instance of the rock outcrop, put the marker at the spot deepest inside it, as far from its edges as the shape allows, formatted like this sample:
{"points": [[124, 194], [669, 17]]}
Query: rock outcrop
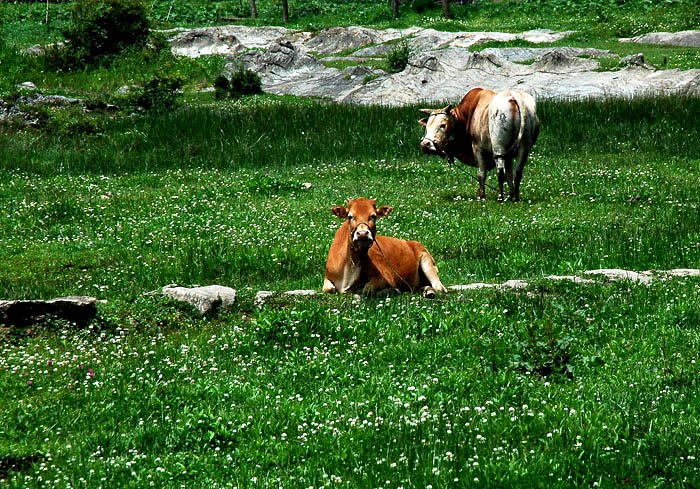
{"points": [[441, 68]]}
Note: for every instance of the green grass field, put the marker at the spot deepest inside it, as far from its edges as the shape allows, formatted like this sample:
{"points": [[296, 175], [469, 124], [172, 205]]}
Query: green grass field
{"points": [[558, 386]]}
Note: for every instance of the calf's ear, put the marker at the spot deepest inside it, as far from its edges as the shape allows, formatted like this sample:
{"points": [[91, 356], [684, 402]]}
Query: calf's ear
{"points": [[340, 211], [423, 121], [384, 211]]}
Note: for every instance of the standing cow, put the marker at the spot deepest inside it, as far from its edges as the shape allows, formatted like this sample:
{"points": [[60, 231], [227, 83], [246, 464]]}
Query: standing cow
{"points": [[361, 261], [487, 130]]}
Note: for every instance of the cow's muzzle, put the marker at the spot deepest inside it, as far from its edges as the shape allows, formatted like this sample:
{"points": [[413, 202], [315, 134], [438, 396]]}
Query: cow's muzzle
{"points": [[362, 238], [430, 147]]}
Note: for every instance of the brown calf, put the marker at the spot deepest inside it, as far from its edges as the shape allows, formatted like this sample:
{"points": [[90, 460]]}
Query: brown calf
{"points": [[360, 261]]}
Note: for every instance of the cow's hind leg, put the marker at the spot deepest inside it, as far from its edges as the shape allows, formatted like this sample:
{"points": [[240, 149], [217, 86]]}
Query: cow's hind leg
{"points": [[500, 169], [430, 271], [510, 179], [519, 166]]}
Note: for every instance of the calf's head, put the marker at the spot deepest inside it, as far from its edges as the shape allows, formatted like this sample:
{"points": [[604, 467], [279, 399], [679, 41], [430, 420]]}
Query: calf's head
{"points": [[362, 215], [438, 128]]}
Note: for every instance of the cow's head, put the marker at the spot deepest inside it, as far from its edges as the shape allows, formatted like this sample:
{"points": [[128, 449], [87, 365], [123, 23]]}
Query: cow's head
{"points": [[438, 128], [362, 215]]}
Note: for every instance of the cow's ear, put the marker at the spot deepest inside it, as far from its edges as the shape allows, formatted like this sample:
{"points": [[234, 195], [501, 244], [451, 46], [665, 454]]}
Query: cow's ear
{"points": [[384, 211], [423, 121], [426, 111], [340, 211], [448, 109]]}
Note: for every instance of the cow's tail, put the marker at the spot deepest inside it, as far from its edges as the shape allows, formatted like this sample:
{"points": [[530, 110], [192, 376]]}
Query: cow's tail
{"points": [[516, 144]]}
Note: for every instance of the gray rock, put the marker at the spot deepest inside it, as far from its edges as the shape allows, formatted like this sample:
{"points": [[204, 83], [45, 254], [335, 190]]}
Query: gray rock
{"points": [[207, 300], [284, 69], [261, 295], [572, 278], [14, 111], [521, 55], [337, 39], [303, 292], [125, 89], [682, 38], [616, 274], [40, 50], [680, 272], [510, 284], [635, 60], [72, 308], [26, 86]]}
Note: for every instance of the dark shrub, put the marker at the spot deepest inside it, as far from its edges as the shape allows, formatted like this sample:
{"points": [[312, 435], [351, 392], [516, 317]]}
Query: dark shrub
{"points": [[159, 93], [242, 82], [103, 28]]}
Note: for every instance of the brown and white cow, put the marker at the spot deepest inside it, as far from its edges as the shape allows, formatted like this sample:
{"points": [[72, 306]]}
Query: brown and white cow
{"points": [[486, 130], [359, 261]]}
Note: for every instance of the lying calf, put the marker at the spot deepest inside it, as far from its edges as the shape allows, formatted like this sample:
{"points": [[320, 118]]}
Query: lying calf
{"points": [[361, 261]]}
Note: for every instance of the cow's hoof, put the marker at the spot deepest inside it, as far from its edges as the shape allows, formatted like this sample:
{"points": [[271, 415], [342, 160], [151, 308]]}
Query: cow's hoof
{"points": [[428, 292]]}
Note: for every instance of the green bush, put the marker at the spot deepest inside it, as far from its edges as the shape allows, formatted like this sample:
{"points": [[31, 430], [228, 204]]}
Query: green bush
{"points": [[102, 28], [398, 56], [242, 82], [162, 92]]}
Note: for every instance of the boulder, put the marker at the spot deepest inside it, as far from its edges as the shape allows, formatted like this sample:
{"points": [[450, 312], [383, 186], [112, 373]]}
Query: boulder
{"points": [[683, 38], [636, 60], [207, 300], [72, 308], [27, 86], [261, 295]]}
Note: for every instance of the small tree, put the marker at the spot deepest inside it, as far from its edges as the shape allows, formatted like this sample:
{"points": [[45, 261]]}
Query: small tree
{"points": [[285, 11], [446, 10], [395, 8], [253, 9]]}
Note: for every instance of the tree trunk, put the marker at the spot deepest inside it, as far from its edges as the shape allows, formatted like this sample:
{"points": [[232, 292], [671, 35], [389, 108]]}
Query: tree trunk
{"points": [[395, 8], [446, 10], [285, 12], [253, 9]]}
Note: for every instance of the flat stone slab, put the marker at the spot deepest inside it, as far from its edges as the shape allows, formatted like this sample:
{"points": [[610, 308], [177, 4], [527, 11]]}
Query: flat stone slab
{"points": [[682, 38], [301, 292], [71, 308], [615, 274], [206, 300], [680, 272], [510, 284], [572, 278]]}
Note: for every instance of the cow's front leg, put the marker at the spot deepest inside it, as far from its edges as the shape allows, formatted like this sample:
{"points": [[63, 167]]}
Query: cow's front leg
{"points": [[329, 287], [481, 173], [377, 286]]}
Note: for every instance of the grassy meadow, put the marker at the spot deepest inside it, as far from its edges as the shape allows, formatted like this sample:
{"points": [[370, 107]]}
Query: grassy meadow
{"points": [[559, 386]]}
